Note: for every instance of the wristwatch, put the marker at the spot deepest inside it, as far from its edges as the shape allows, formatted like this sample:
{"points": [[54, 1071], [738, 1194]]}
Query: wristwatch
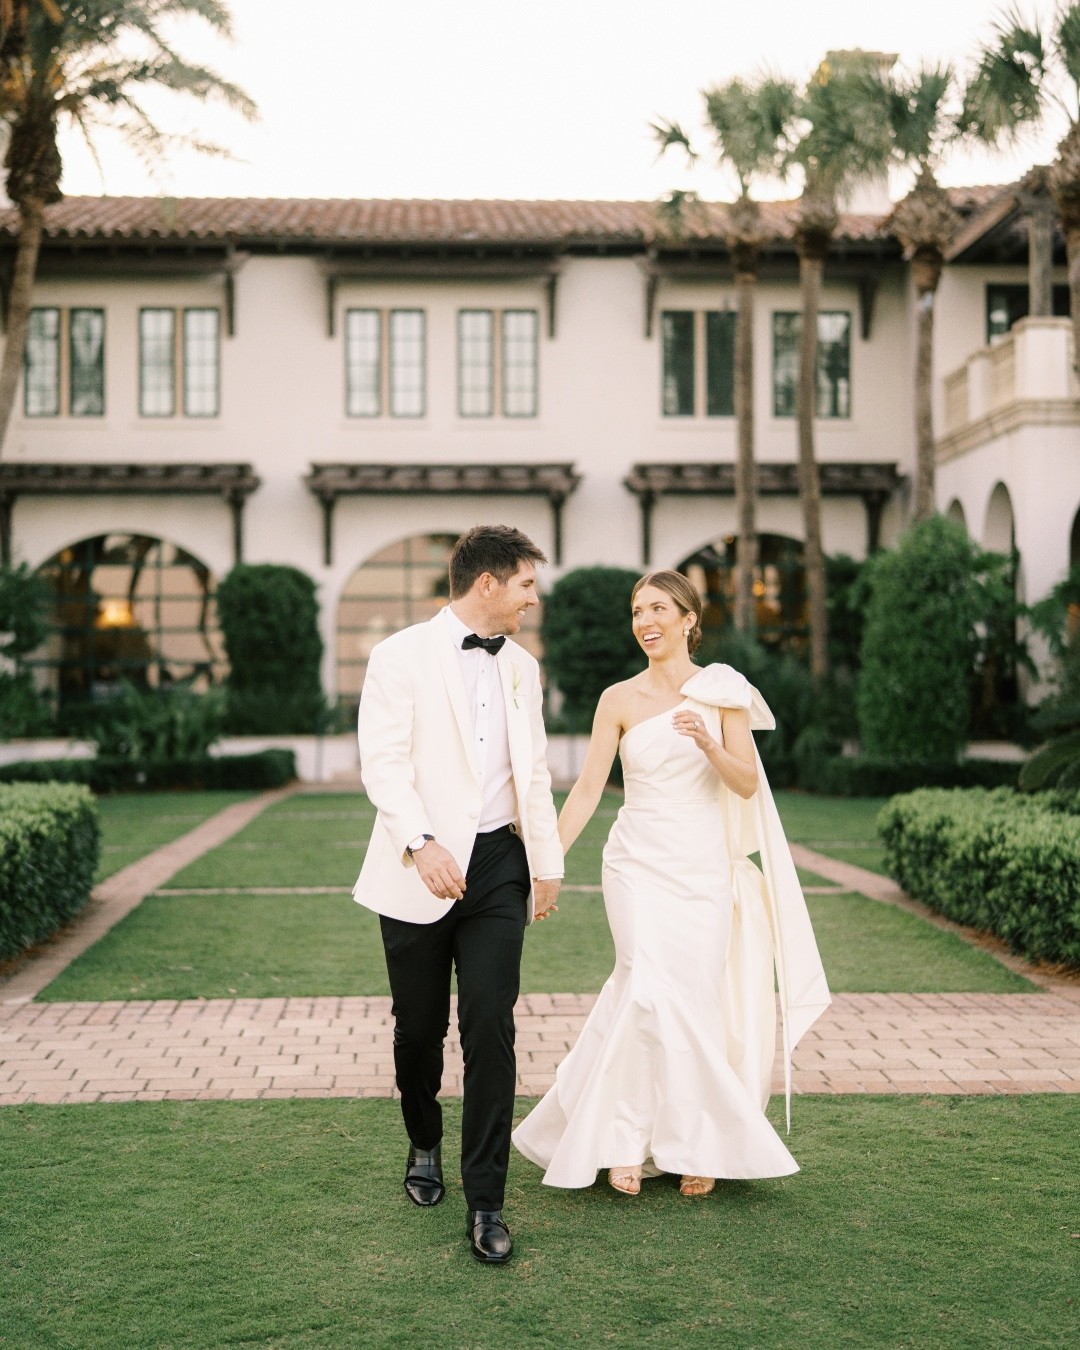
{"points": [[415, 845]]}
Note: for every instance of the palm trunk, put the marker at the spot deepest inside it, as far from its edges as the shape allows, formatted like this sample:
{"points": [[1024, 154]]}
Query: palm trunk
{"points": [[927, 276], [811, 267], [31, 222], [745, 486]]}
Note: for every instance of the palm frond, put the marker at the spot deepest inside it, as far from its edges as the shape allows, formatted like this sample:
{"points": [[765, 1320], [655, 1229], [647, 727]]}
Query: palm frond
{"points": [[1009, 89], [675, 211], [670, 136], [1067, 43], [752, 124]]}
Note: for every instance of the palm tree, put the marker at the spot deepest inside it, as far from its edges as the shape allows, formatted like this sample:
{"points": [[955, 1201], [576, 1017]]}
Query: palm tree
{"points": [[87, 62], [920, 122], [1023, 74], [836, 149], [751, 125]]}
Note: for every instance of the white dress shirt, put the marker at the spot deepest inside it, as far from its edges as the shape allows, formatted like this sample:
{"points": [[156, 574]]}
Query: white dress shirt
{"points": [[483, 688]]}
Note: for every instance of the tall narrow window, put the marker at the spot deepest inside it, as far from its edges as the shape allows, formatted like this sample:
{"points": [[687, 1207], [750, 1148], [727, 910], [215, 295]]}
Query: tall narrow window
{"points": [[407, 363], [833, 365], [519, 345], [41, 383], [86, 347], [202, 384], [677, 342], [476, 363], [157, 362], [720, 363], [363, 362]]}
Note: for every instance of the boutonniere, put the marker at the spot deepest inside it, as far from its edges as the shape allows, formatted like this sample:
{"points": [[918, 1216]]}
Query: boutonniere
{"points": [[515, 683]]}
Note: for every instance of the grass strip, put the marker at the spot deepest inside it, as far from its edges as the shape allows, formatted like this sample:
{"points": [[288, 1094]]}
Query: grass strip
{"points": [[915, 1221], [269, 945], [135, 824]]}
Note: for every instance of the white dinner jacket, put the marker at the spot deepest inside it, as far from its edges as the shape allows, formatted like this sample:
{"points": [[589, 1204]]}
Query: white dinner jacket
{"points": [[418, 765]]}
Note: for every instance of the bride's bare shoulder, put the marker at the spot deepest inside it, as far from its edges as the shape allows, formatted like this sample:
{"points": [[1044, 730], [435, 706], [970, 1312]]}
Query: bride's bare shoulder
{"points": [[618, 699]]}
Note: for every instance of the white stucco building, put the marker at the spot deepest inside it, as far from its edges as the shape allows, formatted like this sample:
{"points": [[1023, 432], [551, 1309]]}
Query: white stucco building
{"points": [[344, 385]]}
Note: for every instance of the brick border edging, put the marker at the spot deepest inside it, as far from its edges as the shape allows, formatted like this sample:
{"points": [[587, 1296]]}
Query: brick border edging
{"points": [[119, 894]]}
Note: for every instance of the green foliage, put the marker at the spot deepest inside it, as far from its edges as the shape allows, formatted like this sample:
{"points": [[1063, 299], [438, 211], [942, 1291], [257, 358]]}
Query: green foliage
{"points": [[588, 641], [995, 860], [269, 620], [24, 606], [861, 776], [266, 769], [49, 844], [848, 594], [921, 643], [139, 727], [24, 711], [1057, 762], [24, 609]]}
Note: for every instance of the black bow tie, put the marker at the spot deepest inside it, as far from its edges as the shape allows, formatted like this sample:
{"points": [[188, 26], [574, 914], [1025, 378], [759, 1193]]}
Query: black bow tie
{"points": [[492, 645]]}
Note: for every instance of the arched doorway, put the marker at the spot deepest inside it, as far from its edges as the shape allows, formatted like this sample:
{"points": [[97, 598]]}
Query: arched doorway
{"points": [[128, 608], [956, 513], [402, 584], [779, 588], [999, 532], [1074, 542]]}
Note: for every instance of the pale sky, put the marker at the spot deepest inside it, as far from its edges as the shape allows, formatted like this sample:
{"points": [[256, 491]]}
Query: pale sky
{"points": [[507, 98]]}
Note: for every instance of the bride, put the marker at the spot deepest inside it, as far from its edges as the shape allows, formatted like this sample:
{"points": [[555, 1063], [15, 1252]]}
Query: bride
{"points": [[673, 1068]]}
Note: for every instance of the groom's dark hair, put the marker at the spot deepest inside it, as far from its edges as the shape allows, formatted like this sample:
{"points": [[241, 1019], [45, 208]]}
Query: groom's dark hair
{"points": [[498, 549]]}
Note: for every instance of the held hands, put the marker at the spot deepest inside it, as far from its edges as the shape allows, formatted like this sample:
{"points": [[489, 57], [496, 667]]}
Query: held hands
{"points": [[439, 871], [545, 893], [688, 723]]}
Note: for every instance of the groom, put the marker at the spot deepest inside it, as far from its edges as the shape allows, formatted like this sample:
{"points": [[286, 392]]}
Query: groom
{"points": [[463, 853]]}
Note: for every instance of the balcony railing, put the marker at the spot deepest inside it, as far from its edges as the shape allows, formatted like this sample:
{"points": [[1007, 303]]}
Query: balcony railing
{"points": [[1033, 364]]}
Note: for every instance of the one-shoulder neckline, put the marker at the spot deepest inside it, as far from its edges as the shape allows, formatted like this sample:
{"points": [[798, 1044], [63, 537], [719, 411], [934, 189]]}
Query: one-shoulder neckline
{"points": [[645, 720]]}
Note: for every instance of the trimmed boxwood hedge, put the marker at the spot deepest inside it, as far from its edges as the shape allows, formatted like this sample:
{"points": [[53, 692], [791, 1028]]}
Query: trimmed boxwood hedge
{"points": [[49, 845], [863, 776], [994, 860], [267, 769]]}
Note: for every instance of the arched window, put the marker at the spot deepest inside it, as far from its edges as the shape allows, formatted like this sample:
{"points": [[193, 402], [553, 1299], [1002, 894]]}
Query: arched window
{"points": [[956, 512], [999, 530], [779, 587], [128, 607], [402, 584]]}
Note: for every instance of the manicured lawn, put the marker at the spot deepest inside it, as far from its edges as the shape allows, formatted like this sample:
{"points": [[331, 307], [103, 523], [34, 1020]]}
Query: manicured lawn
{"points": [[915, 1222], [134, 824], [256, 946], [217, 946], [314, 840], [840, 827]]}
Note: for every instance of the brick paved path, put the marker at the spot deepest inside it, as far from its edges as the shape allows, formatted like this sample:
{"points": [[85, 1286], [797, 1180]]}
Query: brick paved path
{"points": [[341, 1047]]}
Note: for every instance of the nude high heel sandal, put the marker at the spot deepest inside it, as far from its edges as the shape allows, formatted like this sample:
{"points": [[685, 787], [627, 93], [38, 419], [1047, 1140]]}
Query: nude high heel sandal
{"points": [[694, 1186], [625, 1180]]}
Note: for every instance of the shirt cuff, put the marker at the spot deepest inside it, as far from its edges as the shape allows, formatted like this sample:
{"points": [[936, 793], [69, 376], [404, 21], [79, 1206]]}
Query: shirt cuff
{"points": [[550, 876]]}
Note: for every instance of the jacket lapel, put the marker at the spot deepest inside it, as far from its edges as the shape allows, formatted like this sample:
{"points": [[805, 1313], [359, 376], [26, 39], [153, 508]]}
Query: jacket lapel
{"points": [[517, 719], [450, 667]]}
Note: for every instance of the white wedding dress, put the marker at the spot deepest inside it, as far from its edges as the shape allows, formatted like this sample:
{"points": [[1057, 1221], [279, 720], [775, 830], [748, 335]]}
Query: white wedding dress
{"points": [[672, 1069]]}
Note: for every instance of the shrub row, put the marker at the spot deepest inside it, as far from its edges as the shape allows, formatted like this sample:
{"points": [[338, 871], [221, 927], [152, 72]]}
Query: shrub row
{"points": [[994, 860], [267, 769], [49, 846], [863, 776]]}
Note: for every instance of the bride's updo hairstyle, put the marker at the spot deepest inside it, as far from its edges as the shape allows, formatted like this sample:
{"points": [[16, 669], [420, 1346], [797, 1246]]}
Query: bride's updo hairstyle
{"points": [[683, 593]]}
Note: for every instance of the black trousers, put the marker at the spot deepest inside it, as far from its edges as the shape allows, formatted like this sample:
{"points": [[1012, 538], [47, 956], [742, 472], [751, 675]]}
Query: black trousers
{"points": [[481, 936]]}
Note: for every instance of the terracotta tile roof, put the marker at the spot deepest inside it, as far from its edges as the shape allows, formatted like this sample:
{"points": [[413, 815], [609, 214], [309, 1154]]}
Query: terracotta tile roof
{"points": [[328, 221]]}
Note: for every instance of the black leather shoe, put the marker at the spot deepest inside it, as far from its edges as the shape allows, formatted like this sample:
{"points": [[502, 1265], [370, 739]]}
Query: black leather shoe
{"points": [[423, 1176], [489, 1237]]}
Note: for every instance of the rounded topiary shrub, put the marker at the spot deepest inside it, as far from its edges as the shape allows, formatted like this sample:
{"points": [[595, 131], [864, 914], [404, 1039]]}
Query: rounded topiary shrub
{"points": [[269, 620], [915, 685], [588, 642]]}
